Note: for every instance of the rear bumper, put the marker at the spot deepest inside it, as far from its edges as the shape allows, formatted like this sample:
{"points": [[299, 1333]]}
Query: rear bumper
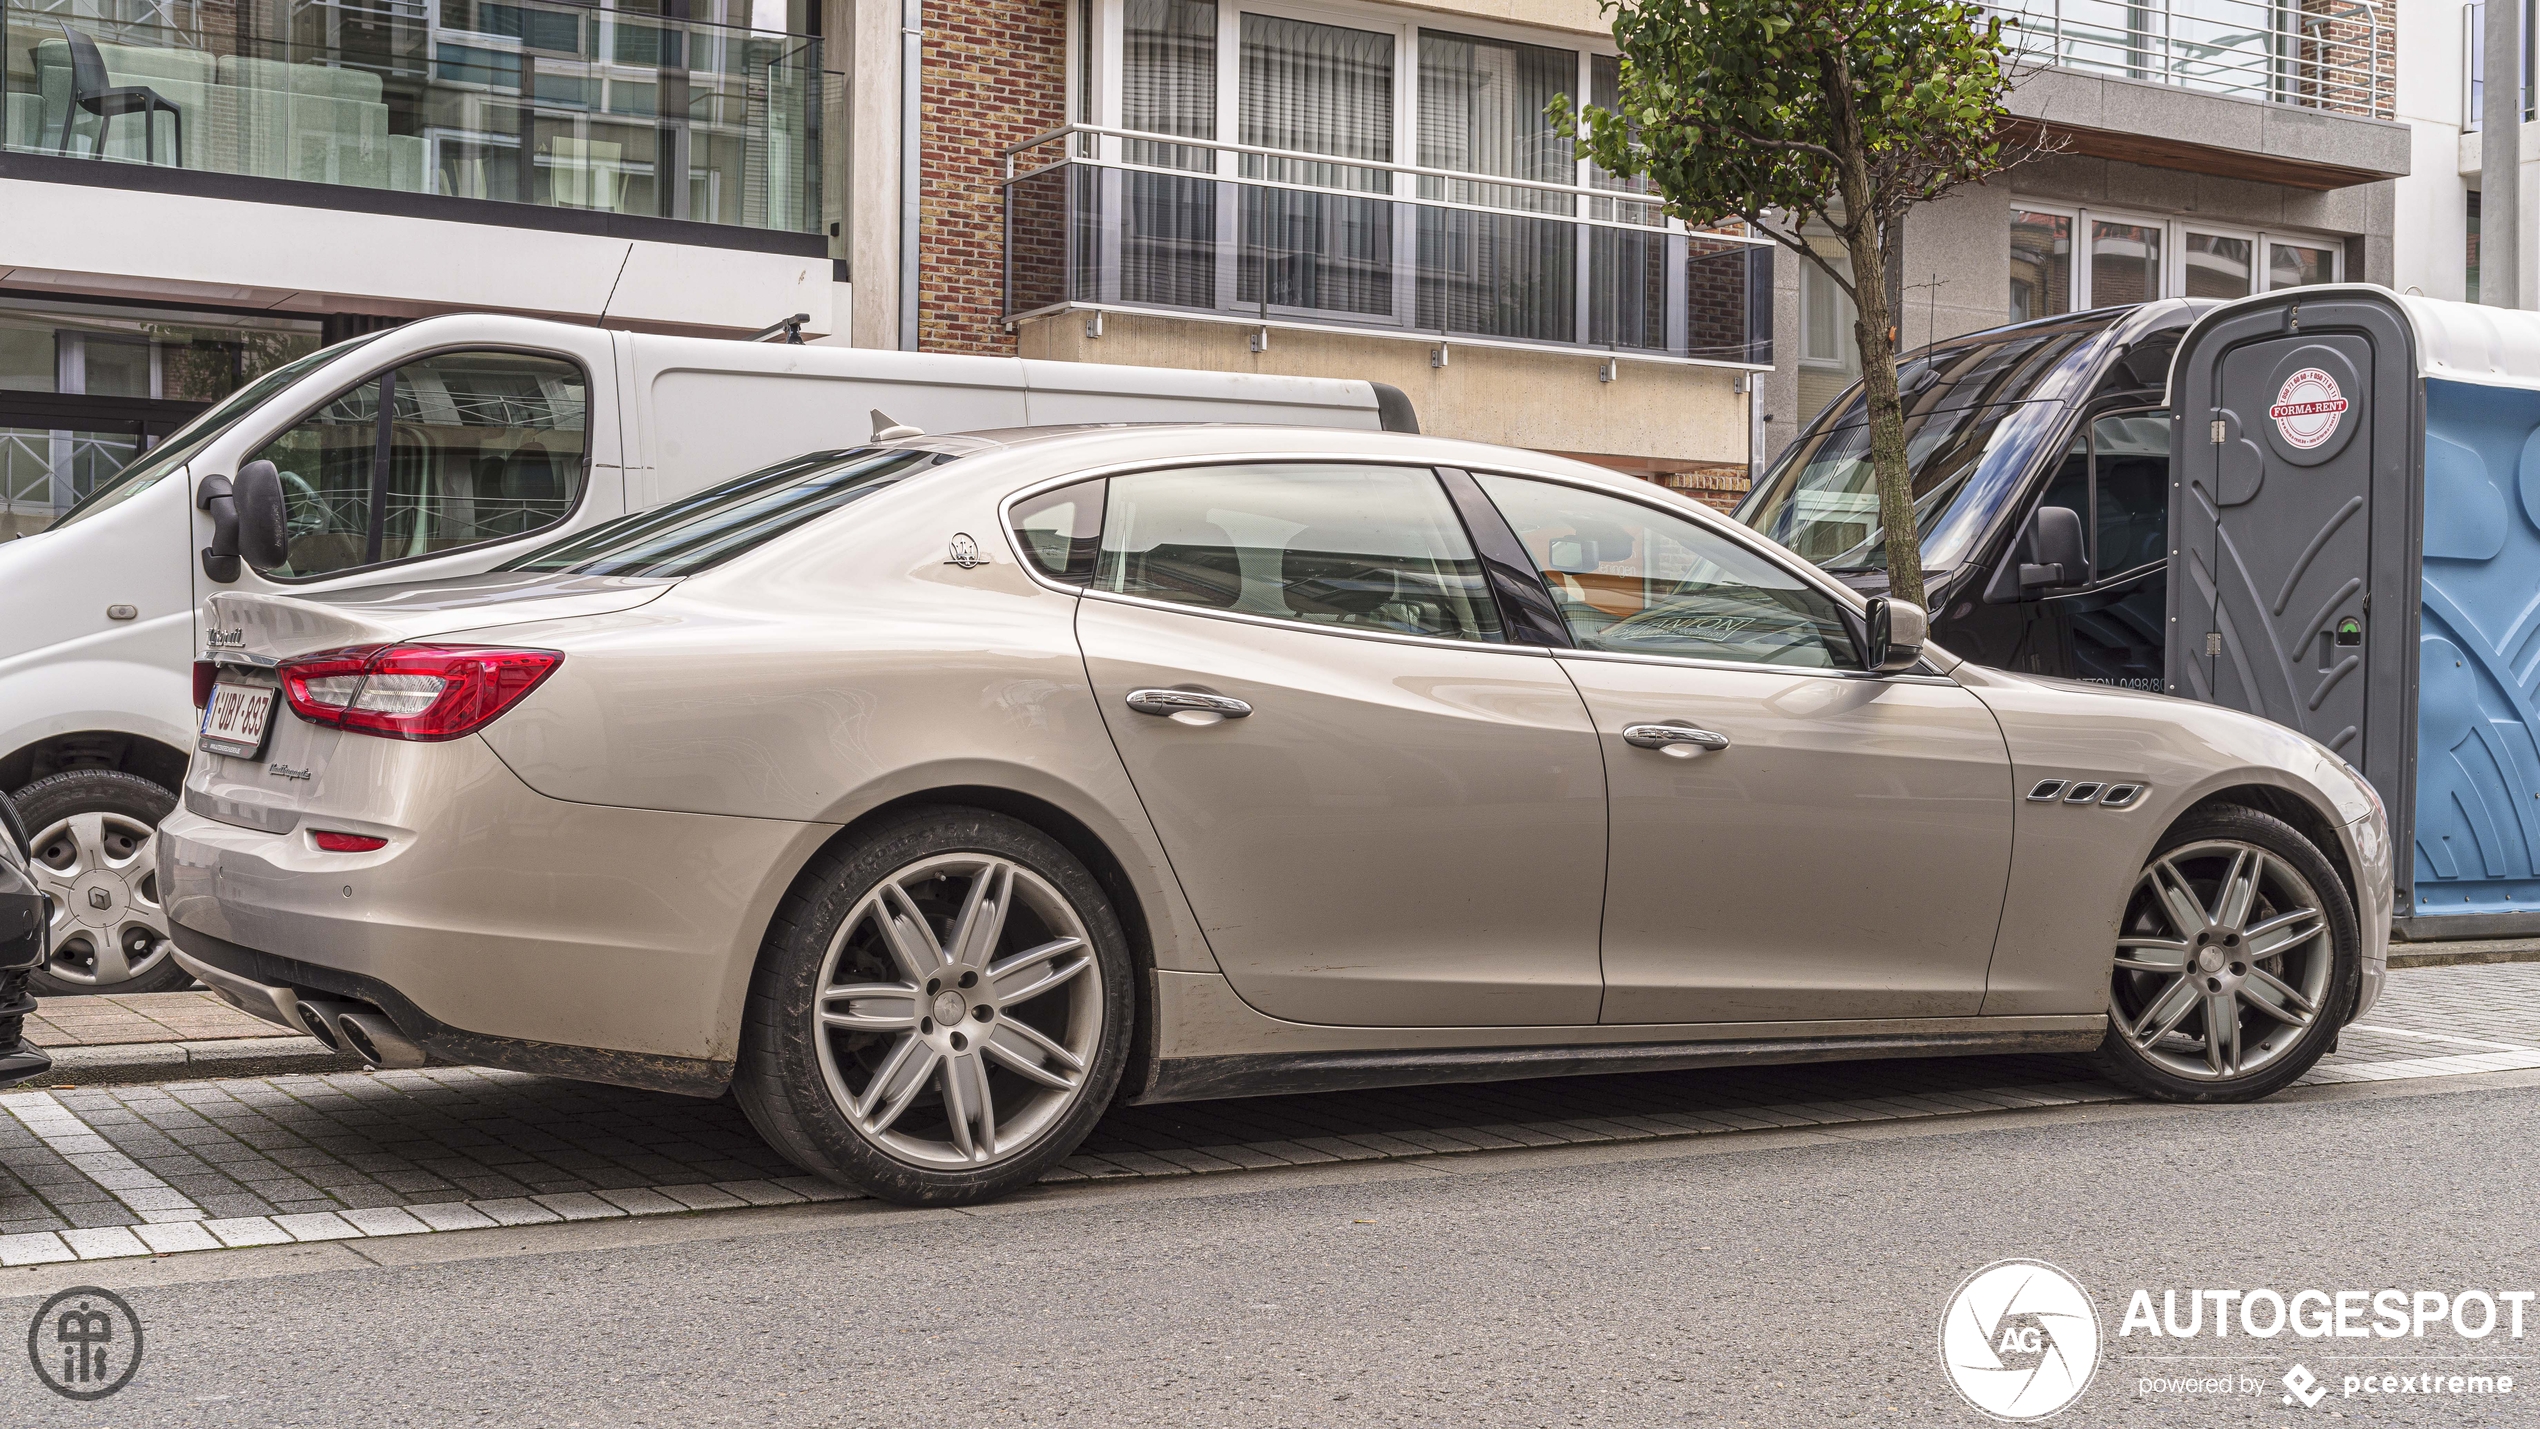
{"points": [[497, 926]]}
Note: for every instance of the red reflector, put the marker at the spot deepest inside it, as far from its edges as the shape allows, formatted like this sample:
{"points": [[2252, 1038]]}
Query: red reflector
{"points": [[419, 692], [204, 673], [346, 843]]}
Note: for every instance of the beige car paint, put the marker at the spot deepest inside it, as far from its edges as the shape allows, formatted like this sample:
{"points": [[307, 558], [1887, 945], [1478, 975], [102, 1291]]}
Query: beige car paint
{"points": [[1899, 789], [606, 880], [1378, 781]]}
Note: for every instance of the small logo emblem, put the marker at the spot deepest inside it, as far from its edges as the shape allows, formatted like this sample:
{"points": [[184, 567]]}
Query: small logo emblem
{"points": [[2308, 408], [964, 552], [2305, 1385], [2020, 1340], [220, 639], [280, 770], [85, 1343]]}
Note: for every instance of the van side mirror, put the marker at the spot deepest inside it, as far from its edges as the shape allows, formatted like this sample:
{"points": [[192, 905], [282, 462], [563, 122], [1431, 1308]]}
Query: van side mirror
{"points": [[220, 559], [2054, 555], [1898, 629], [262, 534]]}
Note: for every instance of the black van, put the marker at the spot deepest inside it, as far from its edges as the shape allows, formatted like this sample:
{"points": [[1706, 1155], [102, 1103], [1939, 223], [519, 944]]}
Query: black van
{"points": [[2065, 411]]}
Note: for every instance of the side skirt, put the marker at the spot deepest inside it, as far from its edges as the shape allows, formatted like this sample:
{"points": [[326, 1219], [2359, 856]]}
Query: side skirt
{"points": [[1259, 1074]]}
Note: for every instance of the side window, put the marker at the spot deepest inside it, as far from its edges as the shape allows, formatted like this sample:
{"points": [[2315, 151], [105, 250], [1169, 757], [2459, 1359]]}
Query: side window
{"points": [[1635, 580], [1060, 530], [2130, 461], [480, 446], [1321, 543]]}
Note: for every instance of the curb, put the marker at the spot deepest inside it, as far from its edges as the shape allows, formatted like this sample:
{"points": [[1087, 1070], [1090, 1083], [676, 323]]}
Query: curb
{"points": [[2463, 954], [126, 1063]]}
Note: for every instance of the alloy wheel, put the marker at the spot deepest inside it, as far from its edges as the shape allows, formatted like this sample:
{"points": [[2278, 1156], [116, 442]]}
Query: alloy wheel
{"points": [[2223, 962], [100, 870], [958, 1009]]}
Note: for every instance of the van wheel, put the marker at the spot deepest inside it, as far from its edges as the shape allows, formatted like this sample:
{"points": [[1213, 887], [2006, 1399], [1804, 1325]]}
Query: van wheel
{"points": [[2237, 962], [940, 1013], [95, 852]]}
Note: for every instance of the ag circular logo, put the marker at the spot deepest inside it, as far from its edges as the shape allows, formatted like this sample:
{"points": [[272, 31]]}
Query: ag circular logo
{"points": [[85, 1343], [2308, 408], [2019, 1339]]}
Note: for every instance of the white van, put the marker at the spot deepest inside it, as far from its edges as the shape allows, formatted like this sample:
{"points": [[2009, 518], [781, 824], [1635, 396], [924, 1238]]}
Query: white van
{"points": [[443, 447]]}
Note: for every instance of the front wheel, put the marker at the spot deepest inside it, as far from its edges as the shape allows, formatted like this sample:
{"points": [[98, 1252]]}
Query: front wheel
{"points": [[2237, 961], [940, 1013], [94, 851]]}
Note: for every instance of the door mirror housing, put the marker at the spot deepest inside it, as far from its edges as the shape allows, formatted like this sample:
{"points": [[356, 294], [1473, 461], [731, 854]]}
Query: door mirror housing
{"points": [[2048, 555], [1898, 629], [262, 534], [214, 495]]}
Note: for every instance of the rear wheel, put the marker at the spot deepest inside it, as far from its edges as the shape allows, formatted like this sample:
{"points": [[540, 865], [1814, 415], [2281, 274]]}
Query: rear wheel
{"points": [[2238, 960], [940, 1013], [93, 837]]}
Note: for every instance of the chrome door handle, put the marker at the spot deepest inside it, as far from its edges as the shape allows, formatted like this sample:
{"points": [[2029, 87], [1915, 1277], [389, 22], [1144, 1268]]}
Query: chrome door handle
{"points": [[1178, 702], [1661, 736]]}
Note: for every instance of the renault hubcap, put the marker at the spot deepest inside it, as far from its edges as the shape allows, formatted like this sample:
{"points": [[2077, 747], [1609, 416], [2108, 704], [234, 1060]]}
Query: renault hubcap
{"points": [[100, 872]]}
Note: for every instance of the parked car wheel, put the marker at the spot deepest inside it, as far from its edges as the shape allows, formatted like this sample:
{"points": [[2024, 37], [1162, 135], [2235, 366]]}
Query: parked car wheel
{"points": [[940, 1013], [2237, 962], [94, 835]]}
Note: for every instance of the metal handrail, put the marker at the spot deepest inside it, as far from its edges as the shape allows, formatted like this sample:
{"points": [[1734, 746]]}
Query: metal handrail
{"points": [[2274, 52], [1630, 196]]}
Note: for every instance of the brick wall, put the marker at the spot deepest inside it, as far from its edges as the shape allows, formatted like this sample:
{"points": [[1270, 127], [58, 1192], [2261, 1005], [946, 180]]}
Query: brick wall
{"points": [[995, 75]]}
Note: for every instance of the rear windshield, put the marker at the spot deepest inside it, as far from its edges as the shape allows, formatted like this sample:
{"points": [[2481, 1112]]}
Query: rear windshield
{"points": [[703, 531]]}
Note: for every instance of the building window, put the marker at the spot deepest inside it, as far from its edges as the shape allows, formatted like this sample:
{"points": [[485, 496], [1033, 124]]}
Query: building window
{"points": [[2470, 260], [2219, 267], [1411, 181], [2041, 265], [2125, 263], [2299, 265]]}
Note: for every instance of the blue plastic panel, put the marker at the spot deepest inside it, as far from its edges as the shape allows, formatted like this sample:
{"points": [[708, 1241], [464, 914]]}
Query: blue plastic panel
{"points": [[2478, 691]]}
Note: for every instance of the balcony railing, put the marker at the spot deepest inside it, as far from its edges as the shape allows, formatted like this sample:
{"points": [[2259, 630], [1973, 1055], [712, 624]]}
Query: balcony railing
{"points": [[1128, 221], [2316, 54], [527, 101]]}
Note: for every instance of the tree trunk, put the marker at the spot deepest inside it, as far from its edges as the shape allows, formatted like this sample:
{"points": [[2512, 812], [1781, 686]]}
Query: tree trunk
{"points": [[1871, 334]]}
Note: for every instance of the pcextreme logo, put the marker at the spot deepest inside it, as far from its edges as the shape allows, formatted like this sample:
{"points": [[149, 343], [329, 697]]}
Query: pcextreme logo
{"points": [[2019, 1340]]}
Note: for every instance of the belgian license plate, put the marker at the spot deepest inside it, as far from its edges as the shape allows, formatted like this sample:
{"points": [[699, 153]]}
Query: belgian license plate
{"points": [[234, 723]]}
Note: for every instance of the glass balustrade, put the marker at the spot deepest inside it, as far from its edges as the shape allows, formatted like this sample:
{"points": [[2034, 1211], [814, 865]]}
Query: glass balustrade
{"points": [[559, 105]]}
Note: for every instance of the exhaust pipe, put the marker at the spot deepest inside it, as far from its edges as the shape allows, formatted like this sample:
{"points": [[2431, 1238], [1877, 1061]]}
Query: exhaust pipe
{"points": [[377, 1041], [322, 1018]]}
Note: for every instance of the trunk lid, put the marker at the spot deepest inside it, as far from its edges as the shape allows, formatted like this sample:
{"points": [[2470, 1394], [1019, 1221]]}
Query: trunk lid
{"points": [[266, 627]]}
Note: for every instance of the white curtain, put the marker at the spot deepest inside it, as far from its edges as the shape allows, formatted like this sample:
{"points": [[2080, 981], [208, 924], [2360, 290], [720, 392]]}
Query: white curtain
{"points": [[1317, 89]]}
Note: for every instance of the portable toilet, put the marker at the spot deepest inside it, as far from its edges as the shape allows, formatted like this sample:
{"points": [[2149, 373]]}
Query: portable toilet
{"points": [[2355, 524]]}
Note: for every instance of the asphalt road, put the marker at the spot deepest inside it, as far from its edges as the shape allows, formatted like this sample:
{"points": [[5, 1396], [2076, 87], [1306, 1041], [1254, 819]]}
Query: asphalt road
{"points": [[1781, 1278]]}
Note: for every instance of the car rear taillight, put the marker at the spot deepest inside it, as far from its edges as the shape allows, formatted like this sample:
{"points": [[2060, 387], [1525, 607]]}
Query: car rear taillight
{"points": [[204, 673], [418, 692], [334, 842]]}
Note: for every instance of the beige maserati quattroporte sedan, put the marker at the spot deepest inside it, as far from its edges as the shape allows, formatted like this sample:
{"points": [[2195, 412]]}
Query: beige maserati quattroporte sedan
{"points": [[935, 794]]}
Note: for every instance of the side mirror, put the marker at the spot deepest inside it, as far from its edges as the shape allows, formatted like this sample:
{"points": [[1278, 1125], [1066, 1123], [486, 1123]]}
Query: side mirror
{"points": [[2055, 556], [262, 535], [220, 558], [1897, 631]]}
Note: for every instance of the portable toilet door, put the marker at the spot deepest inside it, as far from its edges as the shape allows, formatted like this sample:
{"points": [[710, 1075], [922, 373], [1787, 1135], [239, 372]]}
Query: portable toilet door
{"points": [[2355, 517]]}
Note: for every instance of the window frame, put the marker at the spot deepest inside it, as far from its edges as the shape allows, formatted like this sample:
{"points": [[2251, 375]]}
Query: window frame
{"points": [[581, 491], [2174, 231], [1507, 643]]}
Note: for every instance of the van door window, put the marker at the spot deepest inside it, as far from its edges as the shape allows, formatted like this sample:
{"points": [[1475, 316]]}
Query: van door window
{"points": [[2130, 466], [476, 447]]}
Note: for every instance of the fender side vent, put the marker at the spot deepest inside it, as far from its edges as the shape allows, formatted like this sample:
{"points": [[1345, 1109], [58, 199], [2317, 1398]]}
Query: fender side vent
{"points": [[2120, 795], [2046, 790], [2083, 793]]}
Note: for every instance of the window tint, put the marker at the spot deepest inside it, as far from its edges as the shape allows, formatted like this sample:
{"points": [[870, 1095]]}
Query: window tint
{"points": [[1635, 580], [1060, 529], [479, 446], [1366, 547], [2131, 458], [721, 522]]}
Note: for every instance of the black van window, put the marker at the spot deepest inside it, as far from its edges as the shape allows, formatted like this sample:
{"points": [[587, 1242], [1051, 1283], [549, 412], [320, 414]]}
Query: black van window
{"points": [[2130, 459]]}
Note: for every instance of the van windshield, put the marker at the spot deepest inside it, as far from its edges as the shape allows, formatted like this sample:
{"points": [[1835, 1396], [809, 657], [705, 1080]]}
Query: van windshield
{"points": [[180, 446], [1976, 413], [702, 531]]}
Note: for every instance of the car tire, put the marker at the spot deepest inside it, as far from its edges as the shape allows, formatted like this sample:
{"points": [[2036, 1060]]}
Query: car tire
{"points": [[2222, 885], [857, 1064], [92, 832]]}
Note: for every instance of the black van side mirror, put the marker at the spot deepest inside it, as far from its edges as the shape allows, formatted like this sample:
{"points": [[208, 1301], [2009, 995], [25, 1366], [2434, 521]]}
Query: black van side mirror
{"points": [[262, 535], [215, 495], [2048, 556]]}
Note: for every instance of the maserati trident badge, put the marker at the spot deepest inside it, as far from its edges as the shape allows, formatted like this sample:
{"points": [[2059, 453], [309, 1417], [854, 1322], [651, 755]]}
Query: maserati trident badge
{"points": [[964, 552]]}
